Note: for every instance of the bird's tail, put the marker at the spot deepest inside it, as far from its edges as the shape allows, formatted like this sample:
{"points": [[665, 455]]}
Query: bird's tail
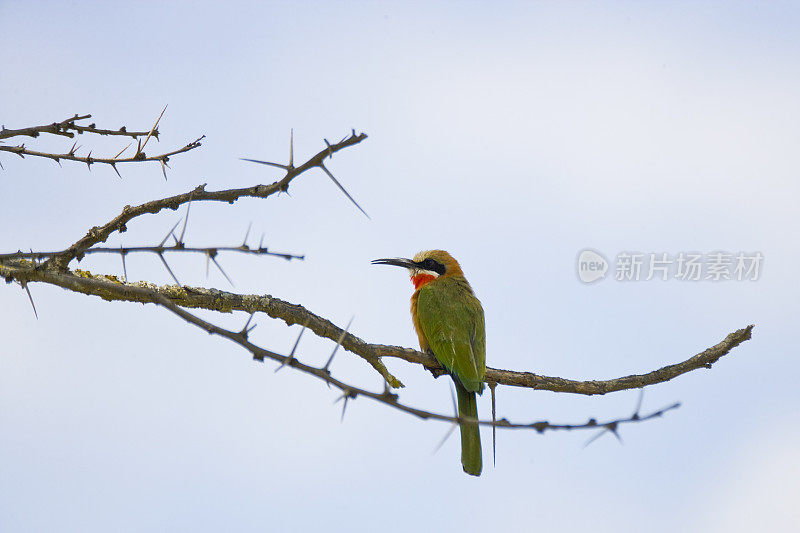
{"points": [[470, 434]]}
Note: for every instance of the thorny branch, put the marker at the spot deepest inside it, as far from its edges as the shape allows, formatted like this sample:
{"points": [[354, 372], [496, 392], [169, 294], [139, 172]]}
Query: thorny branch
{"points": [[222, 301], [22, 151], [178, 247], [25, 268], [100, 234], [91, 285], [68, 127]]}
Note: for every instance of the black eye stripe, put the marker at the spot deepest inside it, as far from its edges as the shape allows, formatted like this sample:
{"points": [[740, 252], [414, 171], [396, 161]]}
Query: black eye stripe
{"points": [[432, 265]]}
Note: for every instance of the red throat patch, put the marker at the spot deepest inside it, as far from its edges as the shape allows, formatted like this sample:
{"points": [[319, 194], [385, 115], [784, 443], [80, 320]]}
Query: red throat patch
{"points": [[421, 279]]}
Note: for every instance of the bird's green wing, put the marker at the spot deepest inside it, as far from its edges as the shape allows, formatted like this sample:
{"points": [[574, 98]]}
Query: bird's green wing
{"points": [[452, 320]]}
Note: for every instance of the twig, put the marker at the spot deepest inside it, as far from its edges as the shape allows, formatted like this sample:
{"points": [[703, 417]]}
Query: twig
{"points": [[124, 250], [22, 151], [65, 128]]}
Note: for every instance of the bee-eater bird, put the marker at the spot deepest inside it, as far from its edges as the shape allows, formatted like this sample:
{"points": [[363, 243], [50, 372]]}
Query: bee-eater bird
{"points": [[449, 322]]}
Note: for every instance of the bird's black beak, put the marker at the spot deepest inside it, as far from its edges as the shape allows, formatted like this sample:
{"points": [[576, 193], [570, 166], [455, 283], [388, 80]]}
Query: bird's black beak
{"points": [[397, 261]]}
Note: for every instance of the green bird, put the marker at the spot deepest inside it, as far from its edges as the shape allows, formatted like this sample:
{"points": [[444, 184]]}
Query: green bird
{"points": [[449, 322]]}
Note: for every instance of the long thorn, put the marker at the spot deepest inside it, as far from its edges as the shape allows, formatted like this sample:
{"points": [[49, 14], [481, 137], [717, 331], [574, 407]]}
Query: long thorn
{"points": [[597, 436], [246, 234], [343, 189], [297, 342], [120, 152], [185, 222], [444, 439], [638, 405], [284, 167], [25, 286], [248, 321], [169, 233], [151, 133], [291, 147], [169, 269], [223, 272], [494, 426], [338, 343], [290, 357]]}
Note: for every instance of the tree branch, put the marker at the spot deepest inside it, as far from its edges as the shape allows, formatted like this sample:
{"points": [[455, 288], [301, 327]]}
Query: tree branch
{"points": [[180, 248], [100, 234], [89, 160], [63, 128], [226, 302], [66, 128], [92, 285], [111, 288]]}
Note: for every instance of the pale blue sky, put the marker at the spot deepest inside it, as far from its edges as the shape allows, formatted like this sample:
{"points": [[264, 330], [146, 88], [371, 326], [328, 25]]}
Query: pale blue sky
{"points": [[513, 135]]}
